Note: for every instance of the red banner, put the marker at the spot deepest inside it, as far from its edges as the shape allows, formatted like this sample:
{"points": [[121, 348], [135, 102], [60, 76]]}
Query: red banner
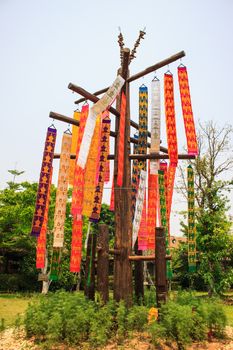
{"points": [[121, 141], [76, 245], [187, 111], [152, 209], [170, 119], [143, 232], [112, 196]]}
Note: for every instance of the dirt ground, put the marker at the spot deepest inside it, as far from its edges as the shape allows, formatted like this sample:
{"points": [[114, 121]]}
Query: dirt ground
{"points": [[15, 340]]}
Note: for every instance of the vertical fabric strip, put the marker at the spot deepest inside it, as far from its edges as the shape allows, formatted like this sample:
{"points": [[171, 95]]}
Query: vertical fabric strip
{"points": [[76, 245], [42, 192], [121, 141], [152, 209], [75, 130], [139, 206], [41, 240], [56, 255], [77, 194], [90, 172], [104, 146], [187, 111], [135, 176], [170, 119], [61, 195], [191, 222]]}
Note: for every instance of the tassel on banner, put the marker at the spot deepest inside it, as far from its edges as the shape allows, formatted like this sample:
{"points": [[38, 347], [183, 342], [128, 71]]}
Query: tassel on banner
{"points": [[170, 119], [104, 146], [61, 195], [187, 110], [41, 240], [191, 221], [75, 130], [42, 192]]}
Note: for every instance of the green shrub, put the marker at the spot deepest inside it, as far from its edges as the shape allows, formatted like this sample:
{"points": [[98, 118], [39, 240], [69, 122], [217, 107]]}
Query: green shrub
{"points": [[137, 318], [121, 318]]}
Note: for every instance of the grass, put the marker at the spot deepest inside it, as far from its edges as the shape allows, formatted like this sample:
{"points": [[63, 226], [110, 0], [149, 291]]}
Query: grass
{"points": [[12, 305]]}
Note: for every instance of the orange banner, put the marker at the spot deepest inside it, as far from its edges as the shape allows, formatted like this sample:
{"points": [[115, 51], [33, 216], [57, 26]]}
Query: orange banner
{"points": [[187, 110], [170, 119], [75, 129]]}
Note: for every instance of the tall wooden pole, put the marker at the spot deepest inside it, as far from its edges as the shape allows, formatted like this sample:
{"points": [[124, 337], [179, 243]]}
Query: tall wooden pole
{"points": [[123, 219]]}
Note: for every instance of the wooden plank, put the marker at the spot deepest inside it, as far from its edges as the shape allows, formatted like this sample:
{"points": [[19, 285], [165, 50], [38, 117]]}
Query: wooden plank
{"points": [[103, 262], [146, 257]]}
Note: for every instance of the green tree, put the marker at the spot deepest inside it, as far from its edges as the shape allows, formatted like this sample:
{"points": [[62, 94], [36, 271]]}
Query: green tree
{"points": [[212, 182]]}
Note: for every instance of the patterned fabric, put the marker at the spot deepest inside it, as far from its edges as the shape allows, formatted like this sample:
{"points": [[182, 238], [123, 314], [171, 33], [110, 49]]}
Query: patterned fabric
{"points": [[187, 111], [76, 245], [152, 209], [135, 177], [155, 124], [139, 206], [77, 194], [41, 240], [170, 119], [163, 213], [191, 222], [170, 187], [111, 207], [104, 146], [55, 264], [91, 170], [75, 130], [98, 108], [61, 196], [43, 187]]}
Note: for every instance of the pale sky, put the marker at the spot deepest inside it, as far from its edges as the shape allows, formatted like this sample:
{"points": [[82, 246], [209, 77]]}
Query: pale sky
{"points": [[45, 44]]}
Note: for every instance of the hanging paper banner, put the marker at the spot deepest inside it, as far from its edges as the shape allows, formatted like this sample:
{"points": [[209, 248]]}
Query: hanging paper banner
{"points": [[143, 232], [111, 207], [152, 209], [170, 119], [91, 170], [42, 192], [75, 130], [139, 206], [76, 245], [77, 194], [191, 222], [98, 108], [143, 122], [61, 195], [163, 213], [155, 124], [170, 186], [135, 176], [104, 146], [121, 141], [187, 111], [55, 264], [41, 240]]}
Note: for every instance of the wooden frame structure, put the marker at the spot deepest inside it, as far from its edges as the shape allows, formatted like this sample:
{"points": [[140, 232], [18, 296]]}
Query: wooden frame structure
{"points": [[123, 256]]}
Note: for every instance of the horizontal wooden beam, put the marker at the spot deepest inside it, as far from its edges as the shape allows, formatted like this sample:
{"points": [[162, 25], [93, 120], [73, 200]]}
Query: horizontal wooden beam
{"points": [[146, 257], [139, 156], [146, 71]]}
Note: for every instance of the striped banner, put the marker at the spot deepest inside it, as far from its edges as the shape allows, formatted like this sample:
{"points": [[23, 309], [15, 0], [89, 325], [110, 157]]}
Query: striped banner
{"points": [[135, 177], [104, 147], [41, 240], [187, 110], [75, 130], [191, 222], [170, 119], [91, 170], [121, 141], [61, 195], [78, 184], [43, 188]]}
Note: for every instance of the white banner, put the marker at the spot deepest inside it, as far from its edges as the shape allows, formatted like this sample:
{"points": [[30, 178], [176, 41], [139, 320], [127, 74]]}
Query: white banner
{"points": [[139, 206], [98, 108]]}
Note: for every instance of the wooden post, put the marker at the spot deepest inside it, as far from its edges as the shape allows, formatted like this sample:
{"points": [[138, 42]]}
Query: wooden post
{"points": [[89, 289], [103, 262], [123, 219], [160, 266]]}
